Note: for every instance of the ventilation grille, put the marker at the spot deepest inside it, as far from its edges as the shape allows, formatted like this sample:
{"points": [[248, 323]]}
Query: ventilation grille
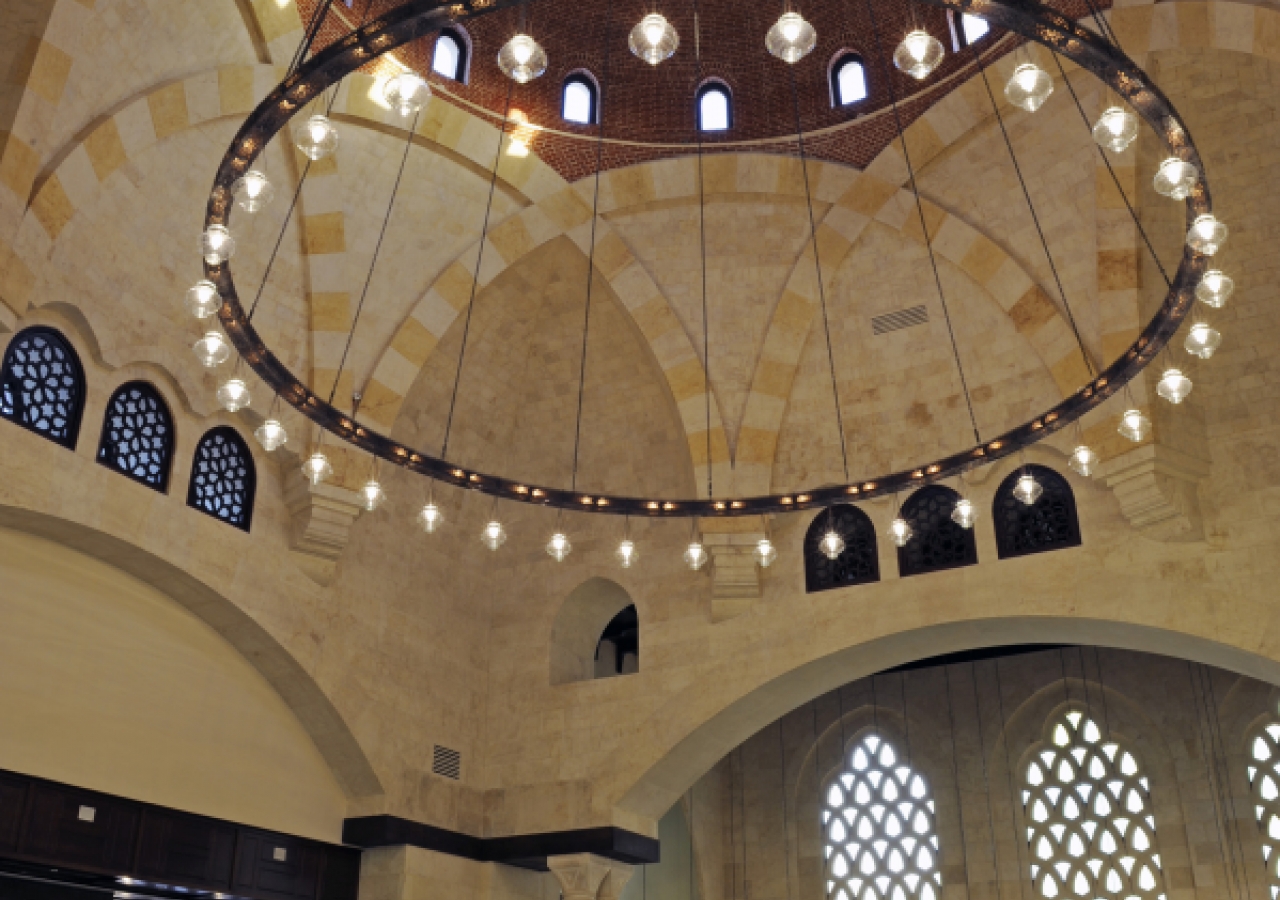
{"points": [[447, 762], [899, 319]]}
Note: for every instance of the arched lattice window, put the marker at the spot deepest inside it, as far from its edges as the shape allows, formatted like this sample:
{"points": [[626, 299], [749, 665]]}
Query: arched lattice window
{"points": [[1088, 811], [1048, 524], [848, 80], [858, 564], [137, 435], [1264, 779], [715, 107], [223, 478], [880, 839], [450, 55], [937, 542], [579, 99], [42, 385]]}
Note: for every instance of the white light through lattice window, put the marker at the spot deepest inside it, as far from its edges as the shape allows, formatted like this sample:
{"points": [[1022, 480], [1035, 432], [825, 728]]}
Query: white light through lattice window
{"points": [[1089, 824], [1264, 778], [879, 835]]}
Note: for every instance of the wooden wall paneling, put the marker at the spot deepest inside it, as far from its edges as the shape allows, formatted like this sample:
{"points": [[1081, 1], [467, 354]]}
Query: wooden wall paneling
{"points": [[185, 849], [74, 827]]}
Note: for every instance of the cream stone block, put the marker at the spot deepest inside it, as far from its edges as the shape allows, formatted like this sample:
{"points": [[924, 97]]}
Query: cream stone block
{"points": [[758, 174], [396, 372], [832, 182], [327, 347], [954, 239], [137, 133], [1009, 284], [898, 211], [265, 79], [674, 178], [764, 412], [693, 412], [890, 166], [78, 178], [846, 222], [328, 272], [1233, 26], [435, 313], [671, 348], [538, 225], [323, 195], [478, 142], [952, 117], [1164, 27], [634, 287], [204, 97]]}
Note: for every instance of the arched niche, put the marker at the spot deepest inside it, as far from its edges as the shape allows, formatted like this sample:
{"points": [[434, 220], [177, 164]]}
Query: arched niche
{"points": [[582, 619]]}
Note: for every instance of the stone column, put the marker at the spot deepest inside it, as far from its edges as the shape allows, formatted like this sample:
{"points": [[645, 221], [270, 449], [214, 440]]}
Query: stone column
{"points": [[585, 876]]}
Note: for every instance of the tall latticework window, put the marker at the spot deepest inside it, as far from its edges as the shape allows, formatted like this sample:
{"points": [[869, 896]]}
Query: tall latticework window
{"points": [[938, 542], [1089, 821], [42, 385], [858, 563], [879, 836], [1264, 779], [1048, 524], [223, 478], [137, 435]]}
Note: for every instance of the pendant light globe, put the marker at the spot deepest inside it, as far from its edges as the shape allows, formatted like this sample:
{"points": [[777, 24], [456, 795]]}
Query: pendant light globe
{"points": [[791, 38], [1202, 340], [252, 191], [1029, 87], [1174, 386], [1206, 235], [1083, 460], [559, 547], [1134, 425], [271, 435], [1175, 178], [430, 517], [653, 39], [494, 535], [1027, 490], [521, 59], [203, 300], [217, 245], [900, 532], [1214, 289], [317, 468], [918, 54], [626, 554], [1117, 128], [965, 513], [212, 350], [234, 394], [406, 94], [316, 138], [695, 557], [765, 553], [372, 495]]}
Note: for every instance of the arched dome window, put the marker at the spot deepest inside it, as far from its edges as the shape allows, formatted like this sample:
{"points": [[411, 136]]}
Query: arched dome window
{"points": [[937, 542], [858, 564], [967, 30], [848, 80], [1088, 812], [1048, 524], [1263, 751], [137, 435], [223, 479], [618, 650], [42, 385], [580, 99], [880, 838], [715, 107], [449, 58]]}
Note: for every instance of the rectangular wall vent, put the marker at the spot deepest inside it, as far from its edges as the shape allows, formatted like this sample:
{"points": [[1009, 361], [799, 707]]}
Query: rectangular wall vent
{"points": [[899, 319], [447, 763]]}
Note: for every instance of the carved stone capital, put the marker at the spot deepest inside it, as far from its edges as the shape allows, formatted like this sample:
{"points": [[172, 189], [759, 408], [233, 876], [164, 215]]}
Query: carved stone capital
{"points": [[322, 516], [585, 876], [1157, 489]]}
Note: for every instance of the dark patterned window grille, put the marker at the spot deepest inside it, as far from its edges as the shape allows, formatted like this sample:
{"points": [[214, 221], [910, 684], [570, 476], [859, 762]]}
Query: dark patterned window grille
{"points": [[858, 564], [137, 435], [937, 543], [42, 385], [222, 478], [1048, 524]]}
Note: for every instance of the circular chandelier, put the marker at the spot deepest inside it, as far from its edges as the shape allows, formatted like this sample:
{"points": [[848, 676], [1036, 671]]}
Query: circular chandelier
{"points": [[1181, 177]]}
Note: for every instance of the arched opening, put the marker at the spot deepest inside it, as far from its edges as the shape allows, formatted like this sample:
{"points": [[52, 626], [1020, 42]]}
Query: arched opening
{"points": [[596, 611], [450, 57], [858, 563], [137, 435], [1050, 523], [223, 478], [848, 79], [937, 542], [42, 385], [580, 100], [715, 107]]}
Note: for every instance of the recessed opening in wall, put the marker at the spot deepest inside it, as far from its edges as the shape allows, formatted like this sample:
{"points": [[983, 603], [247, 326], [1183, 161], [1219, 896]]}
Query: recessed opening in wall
{"points": [[618, 652]]}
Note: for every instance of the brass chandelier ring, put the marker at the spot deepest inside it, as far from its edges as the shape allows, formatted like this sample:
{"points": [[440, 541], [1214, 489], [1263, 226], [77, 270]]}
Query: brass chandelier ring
{"points": [[417, 18]]}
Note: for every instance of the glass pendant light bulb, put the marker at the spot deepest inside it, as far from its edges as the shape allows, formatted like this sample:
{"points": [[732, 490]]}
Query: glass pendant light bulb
{"points": [[1174, 386], [1134, 425], [1027, 489], [1206, 235], [918, 54], [653, 39], [494, 535], [430, 517], [1029, 87], [521, 59], [317, 467], [271, 435], [316, 138], [696, 556], [1116, 129], [558, 547], [626, 554], [406, 93], [965, 514], [900, 532], [234, 394], [1214, 289], [217, 245], [1175, 178], [791, 38], [766, 553], [1202, 340], [253, 191], [212, 349], [372, 495], [831, 544], [1083, 460], [203, 300]]}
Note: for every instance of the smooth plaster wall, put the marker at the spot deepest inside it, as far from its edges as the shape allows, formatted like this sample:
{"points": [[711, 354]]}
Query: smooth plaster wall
{"points": [[108, 684]]}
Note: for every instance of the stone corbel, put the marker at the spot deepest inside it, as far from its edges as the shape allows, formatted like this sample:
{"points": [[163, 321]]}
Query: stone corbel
{"points": [[322, 517], [735, 577], [585, 876], [1157, 487]]}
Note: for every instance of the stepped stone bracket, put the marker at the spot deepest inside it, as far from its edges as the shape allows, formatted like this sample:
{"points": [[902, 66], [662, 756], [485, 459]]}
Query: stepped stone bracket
{"points": [[735, 577], [585, 876], [322, 516], [1158, 491]]}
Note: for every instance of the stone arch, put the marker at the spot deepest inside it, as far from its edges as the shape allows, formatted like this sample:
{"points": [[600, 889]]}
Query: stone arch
{"points": [[578, 625]]}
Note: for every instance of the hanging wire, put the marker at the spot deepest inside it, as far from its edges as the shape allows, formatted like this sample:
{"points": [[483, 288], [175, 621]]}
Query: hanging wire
{"points": [[1228, 868], [308, 38], [702, 237], [1214, 716], [591, 255], [1114, 178], [475, 281], [924, 229], [817, 264], [377, 249], [1035, 219]]}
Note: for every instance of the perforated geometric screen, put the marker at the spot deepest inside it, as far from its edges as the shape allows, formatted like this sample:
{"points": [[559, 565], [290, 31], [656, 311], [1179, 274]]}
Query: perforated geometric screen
{"points": [[858, 563], [938, 543], [1088, 811], [137, 435], [1048, 524], [222, 478], [880, 840], [1264, 780], [42, 385]]}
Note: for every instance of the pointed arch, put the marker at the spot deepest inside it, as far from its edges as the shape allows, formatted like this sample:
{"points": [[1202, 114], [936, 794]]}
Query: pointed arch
{"points": [[137, 435], [937, 543], [1050, 523], [42, 385], [223, 478]]}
